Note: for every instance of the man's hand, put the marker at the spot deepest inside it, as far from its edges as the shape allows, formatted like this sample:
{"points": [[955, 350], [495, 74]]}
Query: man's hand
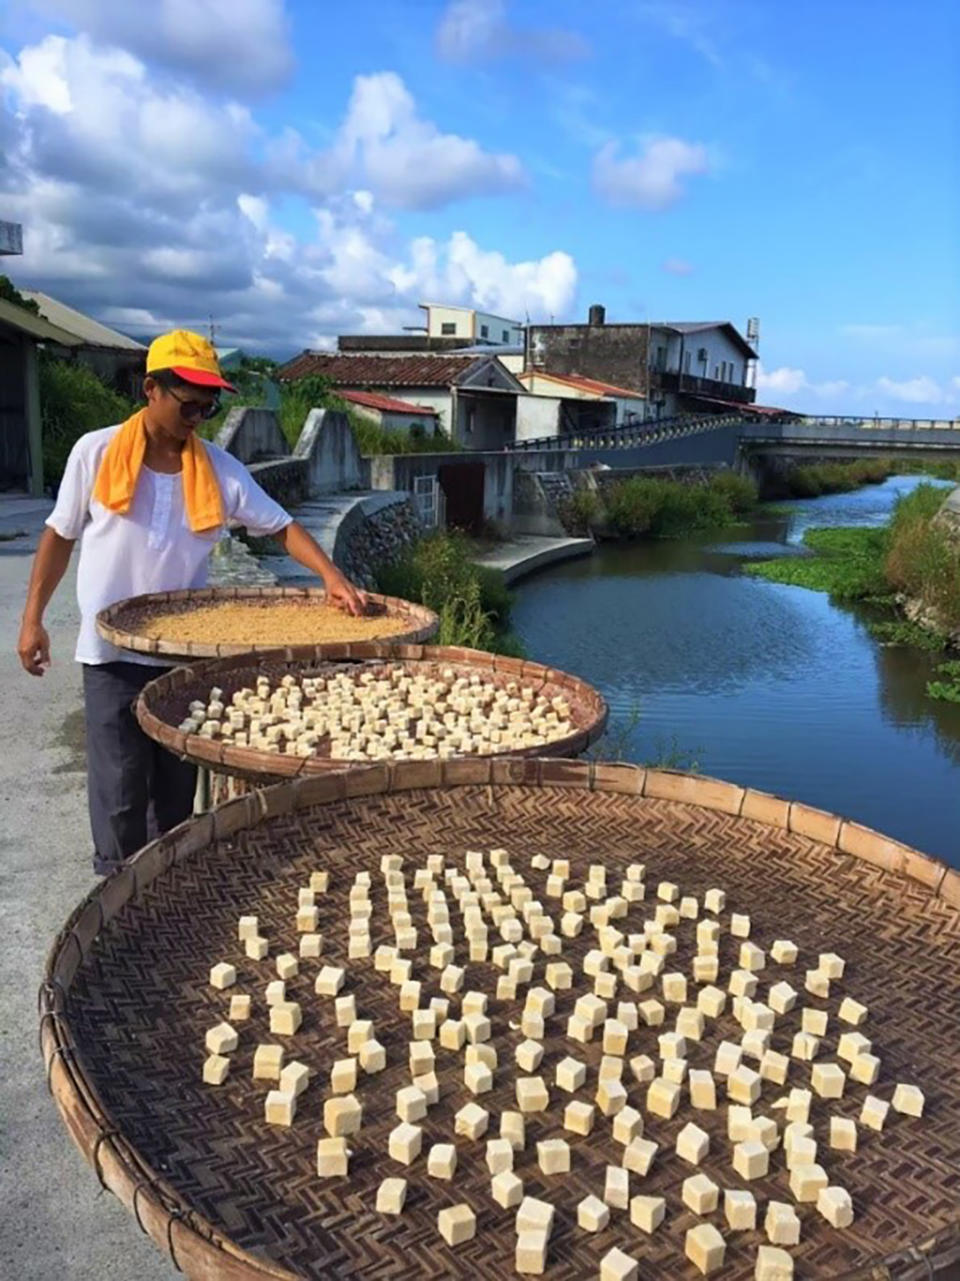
{"points": [[342, 593], [34, 648]]}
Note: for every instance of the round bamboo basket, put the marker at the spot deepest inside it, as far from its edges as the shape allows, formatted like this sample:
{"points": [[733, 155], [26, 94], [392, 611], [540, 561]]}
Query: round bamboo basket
{"points": [[121, 624], [125, 1004], [163, 704]]}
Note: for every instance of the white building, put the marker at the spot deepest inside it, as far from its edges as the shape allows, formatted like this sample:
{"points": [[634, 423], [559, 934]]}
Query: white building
{"points": [[562, 403], [392, 414], [480, 327]]}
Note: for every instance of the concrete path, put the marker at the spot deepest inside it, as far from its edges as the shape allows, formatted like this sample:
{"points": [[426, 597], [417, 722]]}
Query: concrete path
{"points": [[55, 1222], [525, 554]]}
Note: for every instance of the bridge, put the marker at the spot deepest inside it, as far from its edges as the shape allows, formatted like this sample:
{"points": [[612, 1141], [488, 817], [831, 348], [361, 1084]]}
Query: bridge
{"points": [[836, 436]]}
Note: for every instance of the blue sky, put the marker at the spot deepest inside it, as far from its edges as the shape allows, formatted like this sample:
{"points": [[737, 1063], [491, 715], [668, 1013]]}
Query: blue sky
{"points": [[298, 170]]}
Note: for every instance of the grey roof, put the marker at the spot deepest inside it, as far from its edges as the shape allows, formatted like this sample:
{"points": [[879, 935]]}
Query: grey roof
{"points": [[36, 326], [696, 326], [88, 331]]}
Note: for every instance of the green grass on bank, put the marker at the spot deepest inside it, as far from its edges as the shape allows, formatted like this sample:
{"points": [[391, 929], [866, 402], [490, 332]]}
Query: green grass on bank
{"points": [[649, 507], [847, 564], [810, 481]]}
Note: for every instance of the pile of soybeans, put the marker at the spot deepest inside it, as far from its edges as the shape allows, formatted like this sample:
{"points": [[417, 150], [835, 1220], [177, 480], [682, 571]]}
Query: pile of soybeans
{"points": [[268, 622], [387, 711]]}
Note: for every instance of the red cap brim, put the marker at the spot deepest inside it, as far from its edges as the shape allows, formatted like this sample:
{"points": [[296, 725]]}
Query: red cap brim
{"points": [[200, 378]]}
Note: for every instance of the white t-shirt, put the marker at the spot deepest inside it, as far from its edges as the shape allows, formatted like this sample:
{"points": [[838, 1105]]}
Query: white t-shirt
{"points": [[151, 548]]}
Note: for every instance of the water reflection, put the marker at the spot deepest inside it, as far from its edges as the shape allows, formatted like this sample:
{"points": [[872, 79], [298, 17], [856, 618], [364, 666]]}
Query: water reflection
{"points": [[767, 684]]}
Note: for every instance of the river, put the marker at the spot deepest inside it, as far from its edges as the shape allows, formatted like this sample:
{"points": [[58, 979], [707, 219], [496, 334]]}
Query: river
{"points": [[757, 682]]}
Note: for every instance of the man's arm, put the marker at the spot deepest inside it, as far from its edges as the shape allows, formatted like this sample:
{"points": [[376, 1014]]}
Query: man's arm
{"points": [[296, 542], [49, 566]]}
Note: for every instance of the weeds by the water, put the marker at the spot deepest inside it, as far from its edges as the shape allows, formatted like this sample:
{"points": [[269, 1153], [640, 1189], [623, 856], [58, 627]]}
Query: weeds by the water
{"points": [[848, 564], [650, 507], [948, 688], [903, 631], [672, 756], [810, 481]]}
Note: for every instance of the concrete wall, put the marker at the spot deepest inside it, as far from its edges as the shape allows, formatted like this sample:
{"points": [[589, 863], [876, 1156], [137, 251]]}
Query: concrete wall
{"points": [[537, 416], [252, 435], [485, 422], [398, 471], [329, 450], [612, 353]]}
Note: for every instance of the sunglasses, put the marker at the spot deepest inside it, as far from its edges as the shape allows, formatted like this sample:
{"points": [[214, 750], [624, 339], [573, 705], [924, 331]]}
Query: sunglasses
{"points": [[196, 409]]}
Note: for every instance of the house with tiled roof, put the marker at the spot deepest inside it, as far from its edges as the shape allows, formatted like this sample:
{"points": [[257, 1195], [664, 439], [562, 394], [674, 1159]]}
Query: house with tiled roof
{"points": [[473, 397], [391, 413]]}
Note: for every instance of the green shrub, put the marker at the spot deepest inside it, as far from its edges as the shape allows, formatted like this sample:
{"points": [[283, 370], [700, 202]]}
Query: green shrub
{"points": [[579, 511], [921, 560], [812, 480], [73, 400], [948, 689], [647, 506], [739, 492]]}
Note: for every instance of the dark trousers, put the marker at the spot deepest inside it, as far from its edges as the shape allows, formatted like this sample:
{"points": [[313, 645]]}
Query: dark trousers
{"points": [[136, 789]]}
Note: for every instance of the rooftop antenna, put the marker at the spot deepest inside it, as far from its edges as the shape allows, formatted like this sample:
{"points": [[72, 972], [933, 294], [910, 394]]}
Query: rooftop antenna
{"points": [[213, 333], [753, 338]]}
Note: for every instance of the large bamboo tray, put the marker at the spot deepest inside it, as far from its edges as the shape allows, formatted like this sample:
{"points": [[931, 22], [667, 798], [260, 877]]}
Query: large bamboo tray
{"points": [[121, 624], [163, 703], [125, 1003]]}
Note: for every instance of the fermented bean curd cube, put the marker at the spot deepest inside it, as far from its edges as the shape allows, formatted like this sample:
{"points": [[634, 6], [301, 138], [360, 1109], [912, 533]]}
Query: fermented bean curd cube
{"points": [[477, 1027], [553, 1156], [571, 923], [751, 1160], [593, 1215], [663, 945], [267, 1062], [400, 970], [908, 1099], [781, 998], [638, 1156], [311, 946], [534, 1215], [411, 1104], [506, 1188], [532, 1025], [643, 1068], [671, 1046], [345, 1010], [307, 919], [851, 1012], [391, 1195], [852, 1044], [828, 1080], [343, 1076], [708, 932], [255, 947], [239, 1007], [421, 1058], [835, 1205], [752, 958], [442, 1161], [605, 985], [540, 1001], [706, 969], [739, 1120], [666, 916], [781, 1224], [627, 1126], [288, 966], [814, 1022], [215, 1069], [667, 892], [690, 1023], [513, 1129], [221, 1039], [817, 983], [409, 996], [739, 925], [280, 1108], [805, 1047], [616, 1187], [743, 1085], [342, 1115], [628, 1016], [579, 1029], [740, 1210], [689, 908], [700, 1194], [873, 1114], [692, 1143], [647, 1212], [223, 975], [453, 1034], [456, 1224], [329, 981], [276, 992], [531, 1252], [727, 1058], [674, 1070], [294, 1078], [755, 1014], [773, 1264], [471, 1121], [865, 1069], [663, 1097], [532, 1094], [793, 1132], [617, 1266], [611, 1096], [570, 1074], [831, 965], [783, 952], [499, 1155], [802, 1151], [806, 1182], [703, 1090], [705, 1248], [843, 1134], [358, 1034], [372, 1056], [742, 983], [763, 1129], [774, 1067], [559, 976], [615, 1037], [578, 1117], [332, 1158], [429, 1087], [755, 1043], [405, 1142], [247, 928], [798, 1105], [478, 1078]]}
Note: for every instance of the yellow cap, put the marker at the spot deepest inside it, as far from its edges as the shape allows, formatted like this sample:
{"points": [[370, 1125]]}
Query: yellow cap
{"points": [[189, 356]]}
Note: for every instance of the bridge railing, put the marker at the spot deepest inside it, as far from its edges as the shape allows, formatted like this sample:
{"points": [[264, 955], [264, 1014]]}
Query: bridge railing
{"points": [[630, 435], [883, 424]]}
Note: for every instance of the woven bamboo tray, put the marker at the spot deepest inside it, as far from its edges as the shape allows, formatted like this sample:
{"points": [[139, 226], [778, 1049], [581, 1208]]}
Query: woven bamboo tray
{"points": [[163, 704], [125, 1003], [121, 624]]}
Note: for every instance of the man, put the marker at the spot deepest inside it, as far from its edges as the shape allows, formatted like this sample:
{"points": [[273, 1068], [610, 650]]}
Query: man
{"points": [[148, 501]]}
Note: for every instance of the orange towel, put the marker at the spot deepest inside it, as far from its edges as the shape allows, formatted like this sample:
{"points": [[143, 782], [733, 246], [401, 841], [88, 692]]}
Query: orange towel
{"points": [[120, 470]]}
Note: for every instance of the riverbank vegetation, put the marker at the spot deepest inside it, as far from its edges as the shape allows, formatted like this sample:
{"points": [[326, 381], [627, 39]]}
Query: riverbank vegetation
{"points": [[912, 559], [473, 603], [650, 507], [810, 481], [73, 401]]}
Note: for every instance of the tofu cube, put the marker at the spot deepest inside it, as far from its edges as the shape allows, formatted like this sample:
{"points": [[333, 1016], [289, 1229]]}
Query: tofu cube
{"points": [[615, 1037], [276, 992], [223, 975], [714, 900], [773, 1264], [457, 1223], [806, 1182], [513, 1128], [453, 1034], [739, 925], [873, 1114], [627, 1126], [638, 1156], [744, 1085], [727, 1058], [247, 928], [342, 1115], [783, 952], [308, 918], [705, 1248], [643, 1068], [703, 1090], [647, 1212], [711, 1001], [442, 1161], [405, 1142], [830, 964], [329, 981], [692, 1144], [843, 1134], [478, 1078], [295, 1078], [828, 1080], [343, 1076], [865, 1069], [532, 1094], [616, 1187], [570, 1074], [751, 1160], [553, 1156], [593, 1215], [215, 1069], [740, 1210], [907, 1099], [285, 1018], [781, 1224], [372, 1056], [531, 1252], [663, 1097], [255, 947], [411, 1104], [288, 967], [781, 998], [836, 1207], [240, 1008], [471, 1121], [333, 1158], [391, 1195], [742, 983], [739, 1121], [578, 1117], [280, 1107], [815, 1022], [529, 1055], [700, 1194], [267, 1062], [221, 1039], [311, 946], [852, 1044], [506, 1188], [617, 1266], [752, 958], [611, 1096], [559, 976], [534, 1215], [499, 1155], [674, 986]]}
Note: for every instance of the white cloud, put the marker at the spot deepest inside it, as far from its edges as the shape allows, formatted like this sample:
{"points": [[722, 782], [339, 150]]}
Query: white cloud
{"points": [[677, 266], [651, 179], [922, 390], [787, 381], [476, 30], [241, 47]]}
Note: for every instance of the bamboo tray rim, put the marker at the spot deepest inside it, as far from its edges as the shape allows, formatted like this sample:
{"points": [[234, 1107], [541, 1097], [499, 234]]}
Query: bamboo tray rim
{"points": [[194, 1245], [424, 622], [253, 763]]}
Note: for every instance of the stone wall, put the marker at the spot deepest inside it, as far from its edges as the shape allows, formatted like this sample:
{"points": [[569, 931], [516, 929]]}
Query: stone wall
{"points": [[373, 541], [613, 353], [285, 479]]}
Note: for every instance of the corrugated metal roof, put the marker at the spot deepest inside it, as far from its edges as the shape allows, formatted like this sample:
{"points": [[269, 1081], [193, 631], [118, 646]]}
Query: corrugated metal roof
{"points": [[585, 384], [88, 331], [697, 326], [387, 403], [362, 371], [36, 326]]}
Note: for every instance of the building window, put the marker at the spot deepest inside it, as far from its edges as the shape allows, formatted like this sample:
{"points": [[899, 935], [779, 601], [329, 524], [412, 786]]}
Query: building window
{"points": [[484, 331], [470, 419], [661, 359], [448, 327], [506, 335], [686, 362], [716, 373]]}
